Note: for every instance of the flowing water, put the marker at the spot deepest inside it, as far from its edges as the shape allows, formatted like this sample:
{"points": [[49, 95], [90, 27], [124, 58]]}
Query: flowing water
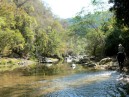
{"points": [[85, 84]]}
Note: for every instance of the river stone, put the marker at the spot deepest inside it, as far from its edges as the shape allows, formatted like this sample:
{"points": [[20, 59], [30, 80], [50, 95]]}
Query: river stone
{"points": [[84, 60], [105, 60], [73, 66], [90, 64]]}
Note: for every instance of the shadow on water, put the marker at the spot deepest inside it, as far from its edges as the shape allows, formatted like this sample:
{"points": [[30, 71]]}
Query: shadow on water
{"points": [[16, 91], [83, 84]]}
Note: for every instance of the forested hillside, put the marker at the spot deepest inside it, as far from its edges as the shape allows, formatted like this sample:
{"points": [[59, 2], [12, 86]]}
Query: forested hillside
{"points": [[92, 30], [98, 34], [29, 29]]}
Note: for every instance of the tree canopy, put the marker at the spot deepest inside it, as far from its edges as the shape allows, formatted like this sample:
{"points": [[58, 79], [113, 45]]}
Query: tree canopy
{"points": [[120, 8], [28, 29]]}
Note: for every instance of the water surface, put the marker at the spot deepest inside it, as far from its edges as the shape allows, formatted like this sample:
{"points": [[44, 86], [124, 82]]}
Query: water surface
{"points": [[86, 84]]}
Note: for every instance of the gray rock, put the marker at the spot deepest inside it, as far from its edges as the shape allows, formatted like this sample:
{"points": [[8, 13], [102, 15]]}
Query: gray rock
{"points": [[105, 60]]}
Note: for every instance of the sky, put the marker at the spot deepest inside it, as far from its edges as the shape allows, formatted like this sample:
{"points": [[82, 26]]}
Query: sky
{"points": [[69, 8]]}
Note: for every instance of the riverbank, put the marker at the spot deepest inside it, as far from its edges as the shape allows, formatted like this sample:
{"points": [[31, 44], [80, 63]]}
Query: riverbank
{"points": [[10, 64], [28, 68], [31, 67]]}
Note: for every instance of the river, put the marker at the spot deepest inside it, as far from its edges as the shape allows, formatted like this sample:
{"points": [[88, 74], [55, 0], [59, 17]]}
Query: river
{"points": [[84, 84]]}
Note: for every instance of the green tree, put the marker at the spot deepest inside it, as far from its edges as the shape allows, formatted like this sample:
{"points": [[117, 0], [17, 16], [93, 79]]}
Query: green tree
{"points": [[90, 30], [11, 42], [41, 42], [32, 27], [120, 33], [120, 8]]}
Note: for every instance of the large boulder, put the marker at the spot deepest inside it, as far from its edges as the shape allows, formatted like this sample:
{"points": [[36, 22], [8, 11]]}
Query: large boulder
{"points": [[92, 57], [68, 59], [84, 60], [90, 64], [47, 60], [105, 60], [108, 64]]}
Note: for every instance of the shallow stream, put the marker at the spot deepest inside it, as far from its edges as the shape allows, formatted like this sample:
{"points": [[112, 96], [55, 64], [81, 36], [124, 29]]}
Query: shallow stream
{"points": [[85, 84]]}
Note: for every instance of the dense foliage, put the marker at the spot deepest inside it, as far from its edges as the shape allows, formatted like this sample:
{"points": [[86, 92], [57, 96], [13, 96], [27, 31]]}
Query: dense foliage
{"points": [[121, 10], [92, 30], [28, 28], [121, 26], [102, 31]]}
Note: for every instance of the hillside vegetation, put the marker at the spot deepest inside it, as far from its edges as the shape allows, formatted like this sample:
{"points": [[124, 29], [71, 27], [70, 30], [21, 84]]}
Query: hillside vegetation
{"points": [[28, 29]]}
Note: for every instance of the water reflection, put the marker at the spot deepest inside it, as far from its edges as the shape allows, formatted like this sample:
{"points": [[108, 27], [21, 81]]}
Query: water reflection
{"points": [[86, 84]]}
